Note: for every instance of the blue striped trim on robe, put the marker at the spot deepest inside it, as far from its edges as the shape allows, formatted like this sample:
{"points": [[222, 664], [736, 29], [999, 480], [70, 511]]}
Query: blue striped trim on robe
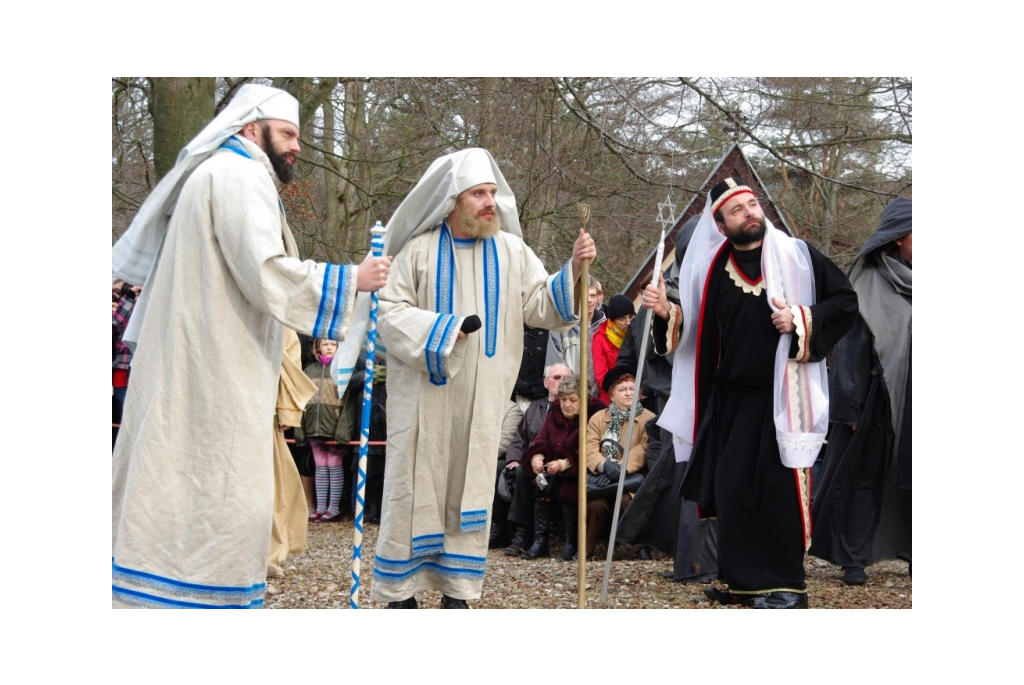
{"points": [[426, 545], [344, 375], [437, 342], [337, 285], [446, 565], [473, 521], [561, 292], [235, 145], [441, 333], [139, 588], [492, 278]]}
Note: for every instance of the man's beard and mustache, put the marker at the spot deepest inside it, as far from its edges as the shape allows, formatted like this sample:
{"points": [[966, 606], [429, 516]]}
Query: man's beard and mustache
{"points": [[284, 168], [747, 233], [477, 226]]}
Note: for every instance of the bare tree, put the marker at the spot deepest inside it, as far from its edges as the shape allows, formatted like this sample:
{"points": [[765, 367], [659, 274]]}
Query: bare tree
{"points": [[833, 151]]}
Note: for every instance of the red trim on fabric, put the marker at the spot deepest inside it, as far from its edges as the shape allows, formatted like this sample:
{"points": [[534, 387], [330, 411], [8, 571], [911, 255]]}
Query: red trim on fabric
{"points": [[810, 488], [725, 198], [786, 397], [700, 329], [120, 378], [805, 521], [739, 270], [676, 330]]}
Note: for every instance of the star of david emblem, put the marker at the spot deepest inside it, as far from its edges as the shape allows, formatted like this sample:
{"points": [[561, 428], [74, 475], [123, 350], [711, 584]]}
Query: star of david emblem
{"points": [[670, 220]]}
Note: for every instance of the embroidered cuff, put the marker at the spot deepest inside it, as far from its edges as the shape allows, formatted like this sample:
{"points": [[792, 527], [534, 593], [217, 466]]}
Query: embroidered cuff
{"points": [[446, 327], [561, 292], [802, 321], [675, 327], [336, 298]]}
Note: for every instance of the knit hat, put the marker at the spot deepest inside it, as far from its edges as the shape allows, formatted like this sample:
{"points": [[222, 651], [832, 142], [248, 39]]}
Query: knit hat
{"points": [[619, 306]]}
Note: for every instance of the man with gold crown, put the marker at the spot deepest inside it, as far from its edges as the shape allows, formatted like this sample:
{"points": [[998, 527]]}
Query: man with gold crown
{"points": [[749, 403], [452, 316], [193, 474]]}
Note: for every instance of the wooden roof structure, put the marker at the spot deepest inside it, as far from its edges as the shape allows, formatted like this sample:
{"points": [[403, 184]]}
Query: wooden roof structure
{"points": [[733, 163]]}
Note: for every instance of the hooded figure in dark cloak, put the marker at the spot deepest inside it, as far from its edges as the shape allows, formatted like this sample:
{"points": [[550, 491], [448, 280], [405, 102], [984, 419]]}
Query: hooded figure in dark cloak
{"points": [[862, 513]]}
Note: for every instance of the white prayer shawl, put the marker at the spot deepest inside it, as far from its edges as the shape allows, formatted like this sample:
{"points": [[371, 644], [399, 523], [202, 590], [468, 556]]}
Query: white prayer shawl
{"points": [[135, 253], [801, 388], [446, 400], [193, 477]]}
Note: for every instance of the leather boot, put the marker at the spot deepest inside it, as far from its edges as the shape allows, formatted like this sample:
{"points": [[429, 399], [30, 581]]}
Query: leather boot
{"points": [[569, 515], [519, 542], [541, 523], [499, 535]]}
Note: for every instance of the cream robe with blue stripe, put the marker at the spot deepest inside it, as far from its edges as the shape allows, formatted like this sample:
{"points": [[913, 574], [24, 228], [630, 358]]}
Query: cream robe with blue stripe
{"points": [[447, 398], [193, 476]]}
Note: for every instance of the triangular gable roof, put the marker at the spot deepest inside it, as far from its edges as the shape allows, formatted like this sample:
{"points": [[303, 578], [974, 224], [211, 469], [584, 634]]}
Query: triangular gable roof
{"points": [[733, 163]]}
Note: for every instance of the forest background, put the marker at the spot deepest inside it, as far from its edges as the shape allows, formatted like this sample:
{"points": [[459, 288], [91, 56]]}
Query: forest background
{"points": [[831, 151]]}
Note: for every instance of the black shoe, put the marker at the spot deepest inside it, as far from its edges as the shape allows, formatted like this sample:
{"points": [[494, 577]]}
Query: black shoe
{"points": [[499, 537], [404, 604], [452, 603], [519, 542], [854, 575], [780, 600], [537, 549], [568, 552], [721, 596], [644, 553]]}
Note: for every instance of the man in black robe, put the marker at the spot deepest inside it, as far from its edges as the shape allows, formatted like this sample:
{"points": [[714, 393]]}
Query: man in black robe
{"points": [[862, 513], [736, 402]]}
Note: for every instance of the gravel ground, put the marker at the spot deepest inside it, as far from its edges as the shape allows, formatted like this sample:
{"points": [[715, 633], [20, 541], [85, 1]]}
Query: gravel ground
{"points": [[320, 578]]}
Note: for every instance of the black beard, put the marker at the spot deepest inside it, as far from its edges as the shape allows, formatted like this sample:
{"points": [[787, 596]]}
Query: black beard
{"points": [[746, 236], [282, 168]]}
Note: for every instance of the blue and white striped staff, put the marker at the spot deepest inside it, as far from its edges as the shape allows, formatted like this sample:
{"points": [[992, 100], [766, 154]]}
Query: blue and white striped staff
{"points": [[377, 249]]}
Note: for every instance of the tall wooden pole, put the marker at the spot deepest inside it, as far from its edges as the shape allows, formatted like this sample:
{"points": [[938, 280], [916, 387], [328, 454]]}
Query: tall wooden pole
{"points": [[584, 367]]}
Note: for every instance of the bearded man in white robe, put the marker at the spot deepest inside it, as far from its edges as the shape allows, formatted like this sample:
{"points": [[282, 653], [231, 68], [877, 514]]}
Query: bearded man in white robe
{"points": [[193, 473], [452, 316]]}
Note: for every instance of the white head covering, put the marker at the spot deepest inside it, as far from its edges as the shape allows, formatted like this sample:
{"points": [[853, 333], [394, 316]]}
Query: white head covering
{"points": [[135, 252], [434, 195], [801, 388]]}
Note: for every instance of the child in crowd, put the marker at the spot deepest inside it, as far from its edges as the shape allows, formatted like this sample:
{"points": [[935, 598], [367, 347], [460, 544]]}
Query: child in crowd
{"points": [[324, 421]]}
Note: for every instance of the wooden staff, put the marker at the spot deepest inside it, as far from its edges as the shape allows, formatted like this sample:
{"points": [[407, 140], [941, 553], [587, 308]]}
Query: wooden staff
{"points": [[581, 496]]}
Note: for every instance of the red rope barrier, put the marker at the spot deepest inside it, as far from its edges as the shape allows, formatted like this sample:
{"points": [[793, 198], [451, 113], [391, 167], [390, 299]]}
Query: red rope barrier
{"points": [[354, 443]]}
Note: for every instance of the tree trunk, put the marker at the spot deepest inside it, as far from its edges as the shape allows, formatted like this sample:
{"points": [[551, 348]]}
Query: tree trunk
{"points": [[181, 107]]}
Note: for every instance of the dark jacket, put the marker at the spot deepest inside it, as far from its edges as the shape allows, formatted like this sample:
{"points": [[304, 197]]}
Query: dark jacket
{"points": [[326, 415], [559, 438], [528, 428]]}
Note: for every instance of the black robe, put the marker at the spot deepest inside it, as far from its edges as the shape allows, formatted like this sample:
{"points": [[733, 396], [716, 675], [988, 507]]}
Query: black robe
{"points": [[862, 509], [735, 471]]}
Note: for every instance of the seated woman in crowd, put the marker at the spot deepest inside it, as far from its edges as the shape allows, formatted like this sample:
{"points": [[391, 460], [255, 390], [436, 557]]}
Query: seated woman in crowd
{"points": [[554, 453], [606, 436]]}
